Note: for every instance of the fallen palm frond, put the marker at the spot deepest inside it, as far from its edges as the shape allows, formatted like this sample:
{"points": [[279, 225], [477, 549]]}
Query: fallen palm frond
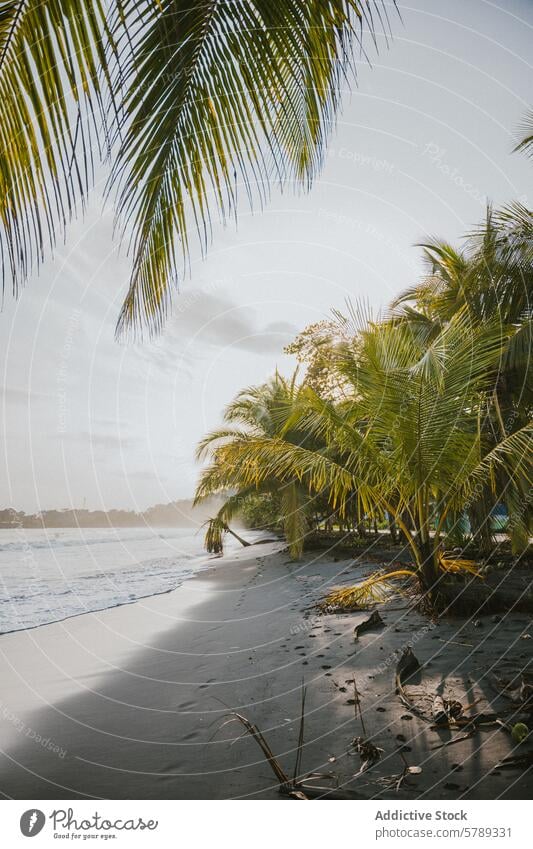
{"points": [[378, 587], [372, 591], [457, 565]]}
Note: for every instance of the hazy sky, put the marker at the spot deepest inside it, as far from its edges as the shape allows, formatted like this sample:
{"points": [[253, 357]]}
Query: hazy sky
{"points": [[421, 143]]}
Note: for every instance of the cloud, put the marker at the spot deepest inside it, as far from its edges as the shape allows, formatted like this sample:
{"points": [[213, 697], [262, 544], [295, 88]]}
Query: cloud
{"points": [[100, 440], [218, 321], [13, 395]]}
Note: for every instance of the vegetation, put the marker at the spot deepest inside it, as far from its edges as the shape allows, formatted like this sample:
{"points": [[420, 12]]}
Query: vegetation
{"points": [[259, 419], [189, 105], [422, 416], [262, 511]]}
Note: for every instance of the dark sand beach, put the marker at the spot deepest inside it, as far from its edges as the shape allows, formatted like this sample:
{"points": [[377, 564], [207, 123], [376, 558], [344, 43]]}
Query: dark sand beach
{"points": [[131, 702]]}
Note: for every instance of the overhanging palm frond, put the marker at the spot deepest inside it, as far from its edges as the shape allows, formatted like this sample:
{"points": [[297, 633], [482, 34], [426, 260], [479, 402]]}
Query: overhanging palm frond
{"points": [[526, 135], [54, 57], [206, 100], [519, 349], [512, 455], [219, 98]]}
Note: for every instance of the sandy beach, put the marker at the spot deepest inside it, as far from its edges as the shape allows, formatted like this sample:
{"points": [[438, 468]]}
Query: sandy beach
{"points": [[132, 702]]}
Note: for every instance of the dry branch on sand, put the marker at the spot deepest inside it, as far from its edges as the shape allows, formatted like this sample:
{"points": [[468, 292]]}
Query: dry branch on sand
{"points": [[298, 786]]}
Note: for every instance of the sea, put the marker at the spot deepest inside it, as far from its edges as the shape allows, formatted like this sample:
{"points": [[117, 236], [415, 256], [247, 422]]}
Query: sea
{"points": [[51, 574]]}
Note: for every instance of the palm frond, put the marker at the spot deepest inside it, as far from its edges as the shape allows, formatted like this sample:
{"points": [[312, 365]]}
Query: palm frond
{"points": [[54, 73], [458, 565], [525, 133], [214, 536], [219, 99], [375, 589]]}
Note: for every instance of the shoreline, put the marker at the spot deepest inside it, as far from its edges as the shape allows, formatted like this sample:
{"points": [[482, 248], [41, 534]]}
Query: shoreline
{"points": [[183, 565], [137, 696]]}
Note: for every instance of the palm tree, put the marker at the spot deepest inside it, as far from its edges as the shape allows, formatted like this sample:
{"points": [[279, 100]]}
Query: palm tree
{"points": [[408, 441], [258, 419], [491, 278], [192, 104]]}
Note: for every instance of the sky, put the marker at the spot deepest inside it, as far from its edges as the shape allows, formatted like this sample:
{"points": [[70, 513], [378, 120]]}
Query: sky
{"points": [[423, 141]]}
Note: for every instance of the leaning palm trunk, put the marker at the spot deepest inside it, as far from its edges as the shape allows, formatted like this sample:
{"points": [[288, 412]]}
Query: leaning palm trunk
{"points": [[214, 537]]}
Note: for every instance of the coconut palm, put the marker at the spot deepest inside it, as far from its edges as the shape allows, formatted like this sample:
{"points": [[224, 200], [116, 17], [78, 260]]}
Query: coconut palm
{"points": [[408, 441], [192, 104], [257, 419], [491, 278]]}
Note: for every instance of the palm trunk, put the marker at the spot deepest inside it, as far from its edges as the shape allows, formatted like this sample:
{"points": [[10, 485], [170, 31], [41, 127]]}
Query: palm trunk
{"points": [[429, 573], [241, 540], [478, 515]]}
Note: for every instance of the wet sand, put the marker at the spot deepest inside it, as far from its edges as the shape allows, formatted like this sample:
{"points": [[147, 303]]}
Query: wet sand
{"points": [[132, 702]]}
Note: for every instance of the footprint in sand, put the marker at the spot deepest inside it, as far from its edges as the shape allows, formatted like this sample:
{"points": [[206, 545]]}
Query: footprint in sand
{"points": [[192, 735]]}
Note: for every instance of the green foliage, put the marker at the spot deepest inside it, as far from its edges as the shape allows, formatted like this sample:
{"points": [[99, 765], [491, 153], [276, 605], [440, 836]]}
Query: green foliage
{"points": [[434, 418], [261, 511], [259, 420]]}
